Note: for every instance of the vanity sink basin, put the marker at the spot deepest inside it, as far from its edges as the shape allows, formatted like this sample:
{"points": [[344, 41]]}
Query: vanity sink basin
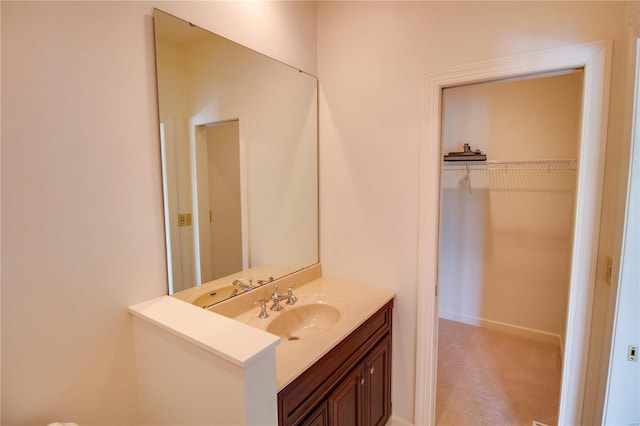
{"points": [[214, 296], [304, 321]]}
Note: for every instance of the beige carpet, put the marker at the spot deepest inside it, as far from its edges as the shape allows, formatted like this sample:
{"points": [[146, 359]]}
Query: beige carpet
{"points": [[487, 377]]}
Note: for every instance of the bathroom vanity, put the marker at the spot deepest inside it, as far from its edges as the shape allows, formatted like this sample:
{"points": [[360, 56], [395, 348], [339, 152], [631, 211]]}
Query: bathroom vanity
{"points": [[324, 360], [333, 364], [349, 385], [214, 351]]}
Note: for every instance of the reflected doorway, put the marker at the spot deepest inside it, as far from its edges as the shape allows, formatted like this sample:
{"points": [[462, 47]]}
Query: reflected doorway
{"points": [[218, 186]]}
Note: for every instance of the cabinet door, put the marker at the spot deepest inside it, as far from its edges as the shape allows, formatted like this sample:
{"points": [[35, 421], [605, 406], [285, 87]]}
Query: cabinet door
{"points": [[346, 402], [319, 417], [378, 379]]}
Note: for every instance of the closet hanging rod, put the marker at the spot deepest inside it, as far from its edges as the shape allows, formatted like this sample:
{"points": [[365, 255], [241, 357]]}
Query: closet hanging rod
{"points": [[555, 164]]}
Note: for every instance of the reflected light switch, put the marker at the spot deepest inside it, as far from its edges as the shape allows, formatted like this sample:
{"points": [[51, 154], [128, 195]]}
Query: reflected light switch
{"points": [[184, 219]]}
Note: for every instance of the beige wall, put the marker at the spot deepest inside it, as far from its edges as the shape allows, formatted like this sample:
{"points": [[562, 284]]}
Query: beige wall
{"points": [[525, 119], [82, 227], [372, 60]]}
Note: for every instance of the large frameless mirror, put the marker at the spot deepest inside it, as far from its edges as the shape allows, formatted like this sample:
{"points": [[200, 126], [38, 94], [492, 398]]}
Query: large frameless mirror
{"points": [[238, 134]]}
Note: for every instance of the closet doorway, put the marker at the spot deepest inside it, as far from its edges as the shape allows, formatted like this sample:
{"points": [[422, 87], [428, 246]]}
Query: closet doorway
{"points": [[595, 59], [506, 233]]}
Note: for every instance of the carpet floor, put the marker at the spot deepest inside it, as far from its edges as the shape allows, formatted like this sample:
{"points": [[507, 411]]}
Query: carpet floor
{"points": [[488, 377]]}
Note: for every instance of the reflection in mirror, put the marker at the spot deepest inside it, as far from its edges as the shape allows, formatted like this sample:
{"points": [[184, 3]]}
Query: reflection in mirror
{"points": [[238, 134], [218, 184]]}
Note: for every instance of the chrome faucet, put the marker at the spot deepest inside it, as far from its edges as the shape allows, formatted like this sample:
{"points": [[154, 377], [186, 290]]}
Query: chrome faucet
{"points": [[244, 286], [263, 307], [278, 297], [292, 299]]}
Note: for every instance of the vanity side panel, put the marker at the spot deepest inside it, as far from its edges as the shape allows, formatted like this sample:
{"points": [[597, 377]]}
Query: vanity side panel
{"points": [[300, 397], [180, 383], [261, 391]]}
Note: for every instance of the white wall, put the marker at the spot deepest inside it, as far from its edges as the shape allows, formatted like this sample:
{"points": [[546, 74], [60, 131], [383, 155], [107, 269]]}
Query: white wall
{"points": [[372, 58], [505, 243], [82, 225]]}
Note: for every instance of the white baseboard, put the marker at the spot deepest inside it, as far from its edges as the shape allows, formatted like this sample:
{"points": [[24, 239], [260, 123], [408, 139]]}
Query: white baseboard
{"points": [[530, 333], [397, 421]]}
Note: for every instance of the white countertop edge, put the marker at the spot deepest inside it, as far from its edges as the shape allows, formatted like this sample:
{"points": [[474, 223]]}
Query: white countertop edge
{"points": [[228, 339]]}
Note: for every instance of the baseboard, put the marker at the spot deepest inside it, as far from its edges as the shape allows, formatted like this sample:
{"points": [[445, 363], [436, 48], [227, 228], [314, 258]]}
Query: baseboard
{"points": [[530, 333], [397, 421]]}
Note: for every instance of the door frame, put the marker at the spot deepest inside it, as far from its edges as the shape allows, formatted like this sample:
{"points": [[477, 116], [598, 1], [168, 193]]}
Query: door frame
{"points": [[618, 392], [595, 59], [203, 225], [196, 123]]}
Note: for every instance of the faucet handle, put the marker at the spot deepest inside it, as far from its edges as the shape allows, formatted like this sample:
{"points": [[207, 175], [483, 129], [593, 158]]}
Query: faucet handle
{"points": [[291, 298], [263, 310], [263, 307]]}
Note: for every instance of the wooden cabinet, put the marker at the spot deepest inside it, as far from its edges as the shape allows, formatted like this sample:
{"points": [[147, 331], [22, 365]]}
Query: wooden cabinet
{"points": [[377, 375], [319, 417], [364, 397], [350, 385], [346, 402]]}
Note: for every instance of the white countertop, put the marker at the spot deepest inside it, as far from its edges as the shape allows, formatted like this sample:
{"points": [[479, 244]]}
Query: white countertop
{"points": [[224, 337], [232, 330], [356, 302]]}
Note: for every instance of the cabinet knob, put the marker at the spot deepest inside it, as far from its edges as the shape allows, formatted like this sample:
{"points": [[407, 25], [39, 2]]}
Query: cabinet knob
{"points": [[362, 381], [372, 370]]}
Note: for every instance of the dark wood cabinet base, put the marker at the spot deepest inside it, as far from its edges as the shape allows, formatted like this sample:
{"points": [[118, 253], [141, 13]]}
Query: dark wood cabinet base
{"points": [[350, 385]]}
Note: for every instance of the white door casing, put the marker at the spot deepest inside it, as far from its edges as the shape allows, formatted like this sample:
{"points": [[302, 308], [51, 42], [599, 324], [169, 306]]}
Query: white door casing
{"points": [[595, 59]]}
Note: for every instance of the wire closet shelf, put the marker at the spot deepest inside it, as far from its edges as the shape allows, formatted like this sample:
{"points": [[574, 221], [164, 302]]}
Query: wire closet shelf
{"points": [[568, 164], [520, 175]]}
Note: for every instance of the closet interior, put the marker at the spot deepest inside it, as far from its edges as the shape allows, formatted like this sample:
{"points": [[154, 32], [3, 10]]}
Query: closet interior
{"points": [[506, 235]]}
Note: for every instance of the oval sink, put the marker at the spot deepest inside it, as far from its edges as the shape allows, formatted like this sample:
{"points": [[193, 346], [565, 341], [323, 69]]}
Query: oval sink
{"points": [[214, 296], [304, 321]]}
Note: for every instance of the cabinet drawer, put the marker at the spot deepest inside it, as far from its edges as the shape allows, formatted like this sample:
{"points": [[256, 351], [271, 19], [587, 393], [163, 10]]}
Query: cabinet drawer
{"points": [[300, 397]]}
